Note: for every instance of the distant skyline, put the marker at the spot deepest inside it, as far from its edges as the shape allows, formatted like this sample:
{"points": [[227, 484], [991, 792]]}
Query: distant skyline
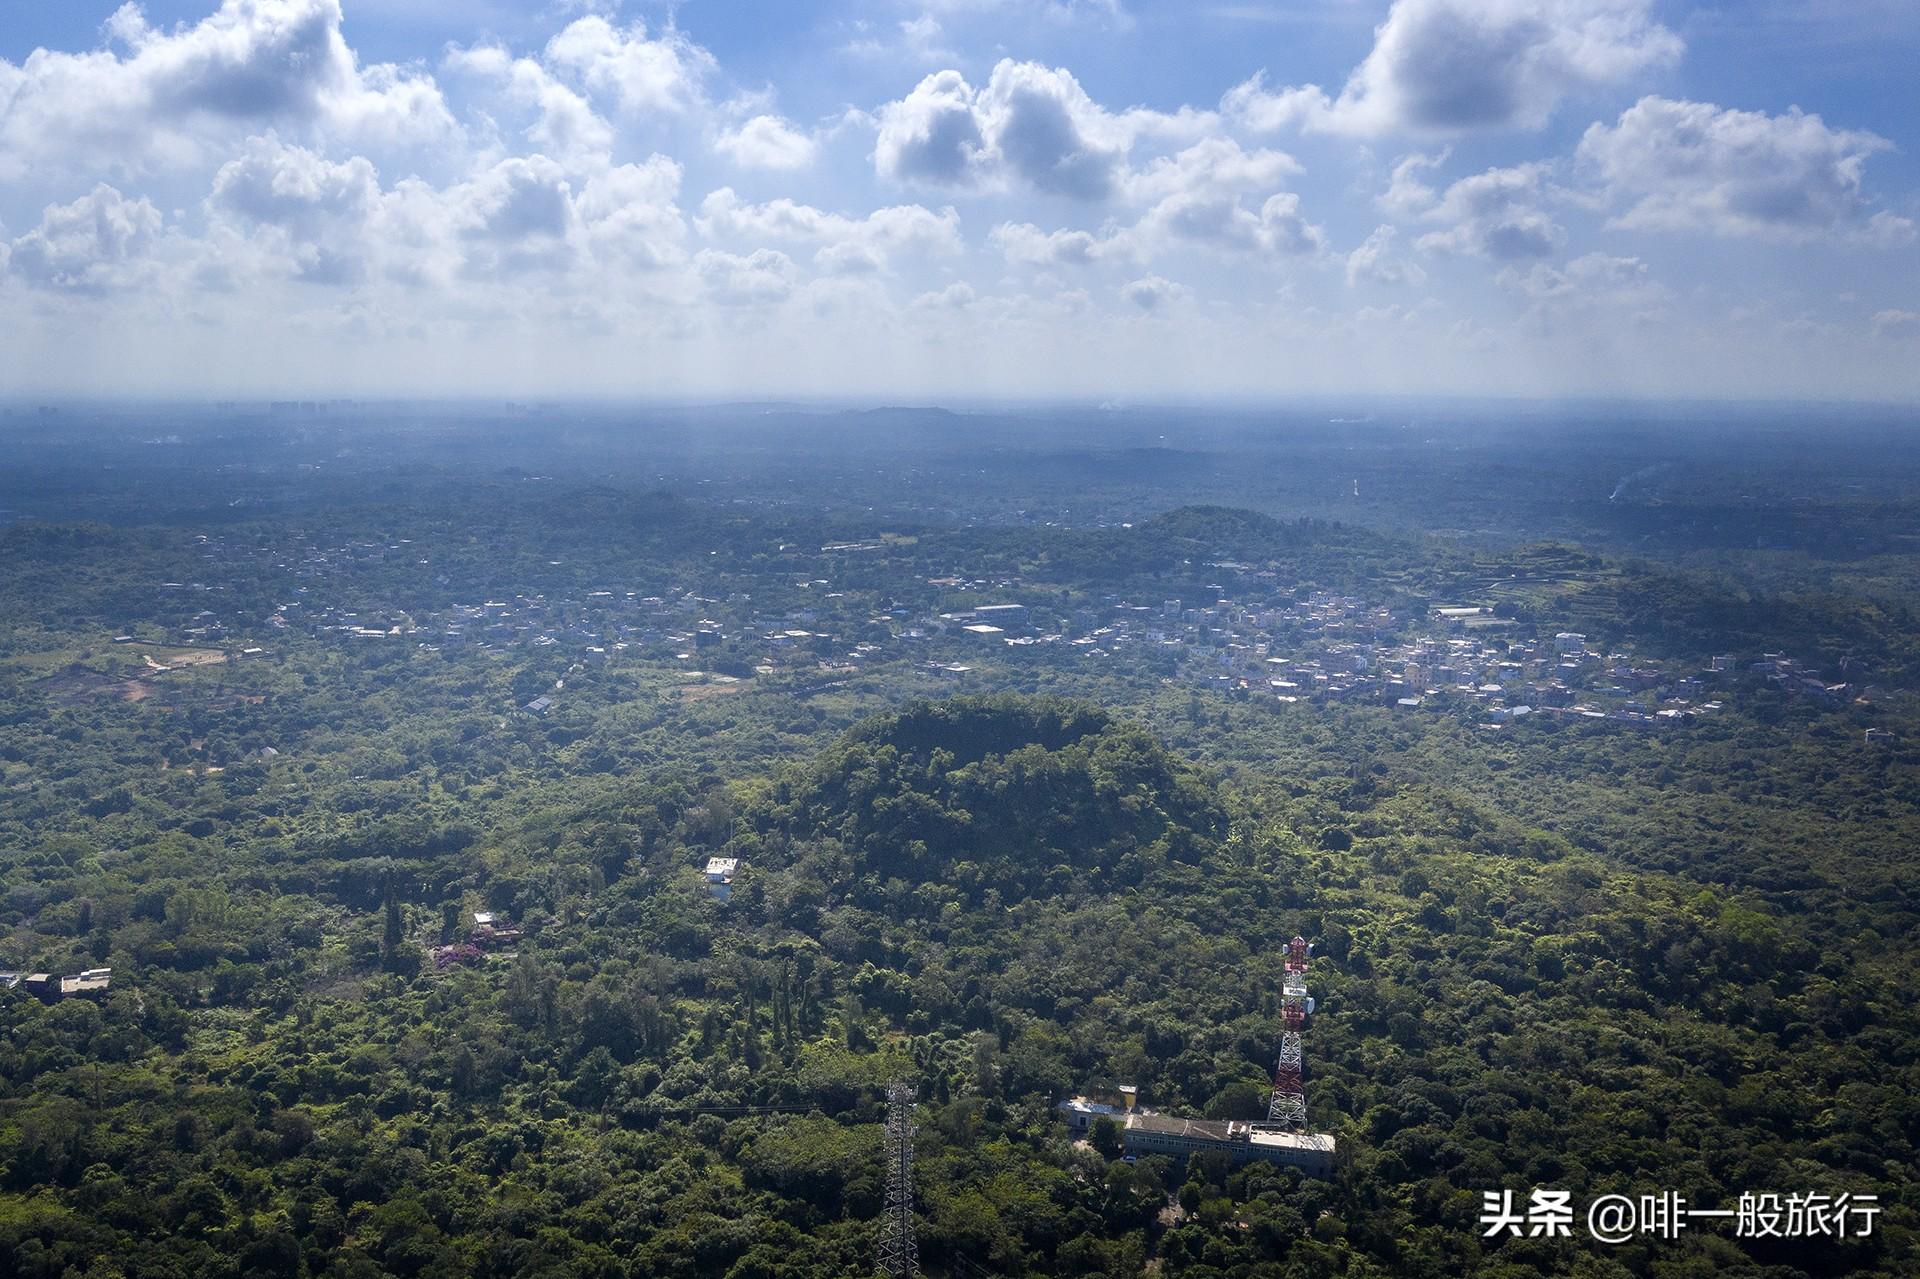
{"points": [[1049, 199]]}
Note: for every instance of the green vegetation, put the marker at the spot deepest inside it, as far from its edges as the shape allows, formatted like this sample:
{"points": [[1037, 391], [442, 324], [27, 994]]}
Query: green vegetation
{"points": [[1563, 955]]}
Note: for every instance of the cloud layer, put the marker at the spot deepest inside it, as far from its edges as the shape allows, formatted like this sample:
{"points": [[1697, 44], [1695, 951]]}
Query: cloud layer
{"points": [[609, 197]]}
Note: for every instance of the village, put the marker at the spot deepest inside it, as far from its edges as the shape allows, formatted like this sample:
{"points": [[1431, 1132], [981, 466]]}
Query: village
{"points": [[1251, 636]]}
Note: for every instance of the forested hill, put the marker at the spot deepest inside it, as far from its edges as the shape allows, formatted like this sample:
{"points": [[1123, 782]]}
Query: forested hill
{"points": [[1001, 793], [1005, 900]]}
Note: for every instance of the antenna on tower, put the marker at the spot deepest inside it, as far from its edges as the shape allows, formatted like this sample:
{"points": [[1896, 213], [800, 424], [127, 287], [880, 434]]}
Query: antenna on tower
{"points": [[1288, 1108], [899, 1250]]}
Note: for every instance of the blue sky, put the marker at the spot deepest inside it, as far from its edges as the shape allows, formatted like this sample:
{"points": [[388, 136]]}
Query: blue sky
{"points": [[1086, 199]]}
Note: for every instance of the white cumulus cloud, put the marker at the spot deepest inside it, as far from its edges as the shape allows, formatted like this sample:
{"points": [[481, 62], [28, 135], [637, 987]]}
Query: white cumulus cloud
{"points": [[306, 212], [99, 242], [1589, 279], [666, 72], [1025, 244], [766, 142], [957, 296], [1496, 214], [1375, 262], [1153, 293], [1031, 127], [1198, 198], [1457, 66], [280, 210], [162, 97], [931, 135], [845, 245], [559, 119], [763, 276], [1693, 166], [628, 215]]}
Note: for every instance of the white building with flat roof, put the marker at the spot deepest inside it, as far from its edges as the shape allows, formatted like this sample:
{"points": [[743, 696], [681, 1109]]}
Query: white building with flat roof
{"points": [[1147, 1132], [720, 873], [1240, 1141]]}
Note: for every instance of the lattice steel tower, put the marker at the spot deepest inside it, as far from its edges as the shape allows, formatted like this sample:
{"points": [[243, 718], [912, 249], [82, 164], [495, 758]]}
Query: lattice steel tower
{"points": [[1289, 1106], [899, 1251]]}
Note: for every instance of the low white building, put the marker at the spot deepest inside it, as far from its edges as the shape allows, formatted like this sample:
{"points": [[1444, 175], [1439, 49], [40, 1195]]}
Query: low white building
{"points": [[720, 873]]}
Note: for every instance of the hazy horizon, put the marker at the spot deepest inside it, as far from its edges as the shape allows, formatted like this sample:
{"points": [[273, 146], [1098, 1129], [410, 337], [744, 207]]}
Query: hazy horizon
{"points": [[1471, 405]]}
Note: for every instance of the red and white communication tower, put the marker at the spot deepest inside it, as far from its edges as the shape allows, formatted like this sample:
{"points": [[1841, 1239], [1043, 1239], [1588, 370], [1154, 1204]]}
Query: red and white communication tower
{"points": [[1289, 1106]]}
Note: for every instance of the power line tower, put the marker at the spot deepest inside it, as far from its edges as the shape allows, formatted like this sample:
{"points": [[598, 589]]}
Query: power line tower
{"points": [[1288, 1108], [899, 1250]]}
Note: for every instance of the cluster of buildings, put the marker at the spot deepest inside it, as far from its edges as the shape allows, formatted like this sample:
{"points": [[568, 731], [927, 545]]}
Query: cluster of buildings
{"points": [[1329, 647], [46, 986], [1248, 635], [1500, 679], [1796, 677], [1504, 678], [598, 624]]}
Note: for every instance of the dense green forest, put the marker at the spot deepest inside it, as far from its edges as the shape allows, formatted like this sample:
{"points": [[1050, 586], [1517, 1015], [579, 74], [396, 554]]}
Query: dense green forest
{"points": [[1559, 954]]}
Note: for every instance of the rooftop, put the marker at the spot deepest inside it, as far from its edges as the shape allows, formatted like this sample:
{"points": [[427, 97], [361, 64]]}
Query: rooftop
{"points": [[1278, 1139]]}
